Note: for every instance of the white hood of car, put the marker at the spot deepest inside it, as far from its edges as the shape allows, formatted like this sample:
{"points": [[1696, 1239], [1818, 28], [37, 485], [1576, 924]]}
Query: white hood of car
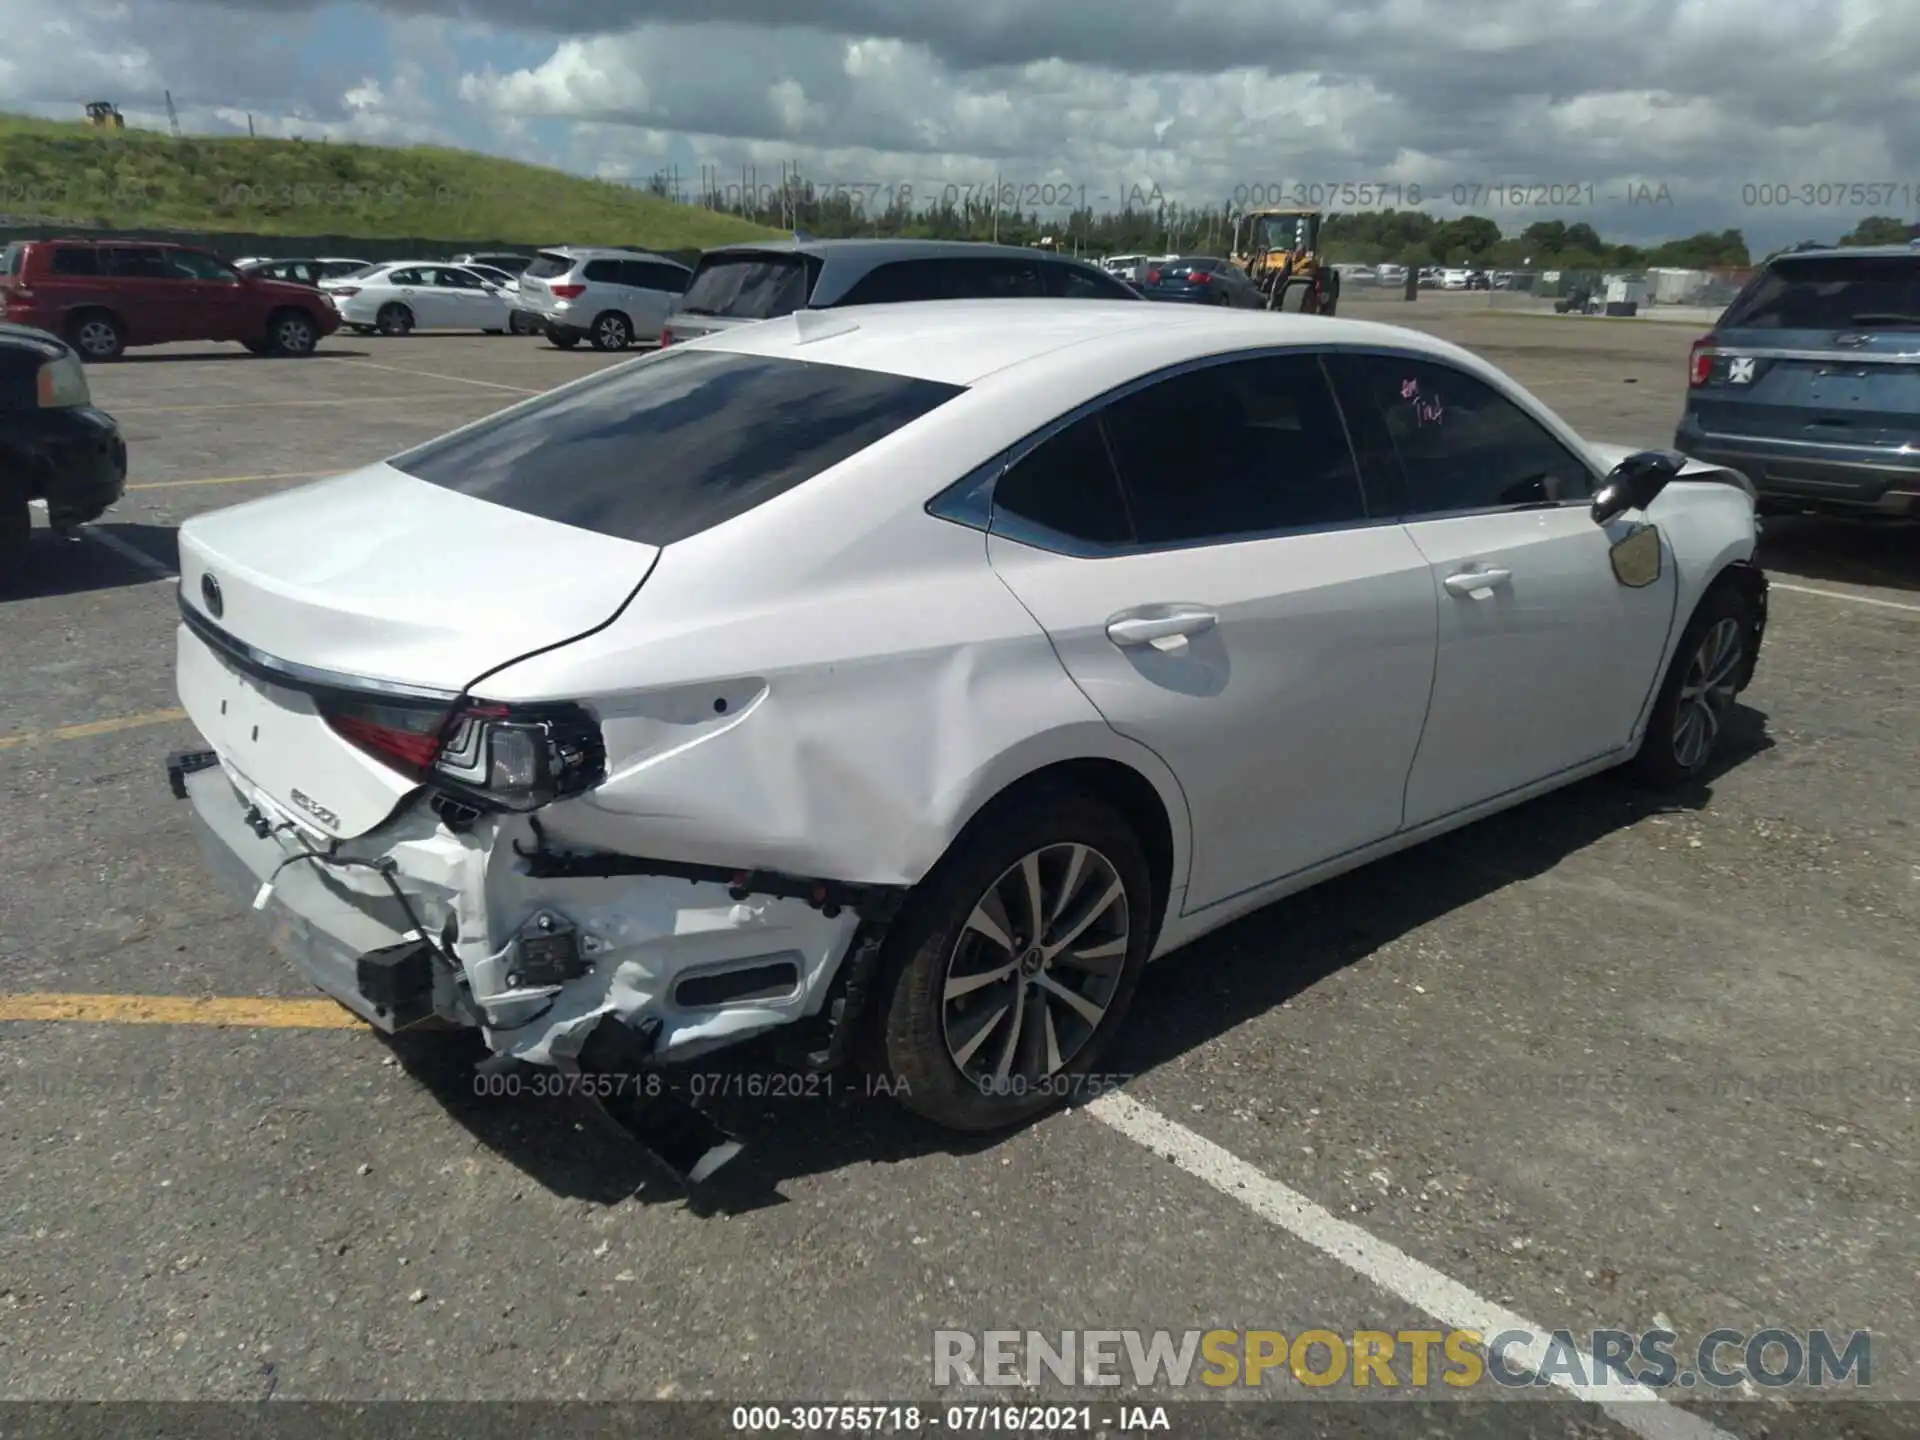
{"points": [[381, 576]]}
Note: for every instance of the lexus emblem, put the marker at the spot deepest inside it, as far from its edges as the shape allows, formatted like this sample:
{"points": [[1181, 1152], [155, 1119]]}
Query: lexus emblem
{"points": [[210, 595]]}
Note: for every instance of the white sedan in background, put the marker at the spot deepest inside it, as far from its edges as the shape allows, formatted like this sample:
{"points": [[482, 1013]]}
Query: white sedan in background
{"points": [[409, 295], [1010, 685]]}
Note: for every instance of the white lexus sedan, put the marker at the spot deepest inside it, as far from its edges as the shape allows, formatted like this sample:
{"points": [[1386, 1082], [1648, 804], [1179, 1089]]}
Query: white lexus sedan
{"points": [[399, 298], [911, 677]]}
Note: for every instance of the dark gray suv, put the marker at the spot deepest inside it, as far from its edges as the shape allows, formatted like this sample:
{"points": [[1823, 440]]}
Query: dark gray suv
{"points": [[743, 284], [1809, 384]]}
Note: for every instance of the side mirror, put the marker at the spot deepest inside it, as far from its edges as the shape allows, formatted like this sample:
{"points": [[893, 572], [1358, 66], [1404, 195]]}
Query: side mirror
{"points": [[1635, 483]]}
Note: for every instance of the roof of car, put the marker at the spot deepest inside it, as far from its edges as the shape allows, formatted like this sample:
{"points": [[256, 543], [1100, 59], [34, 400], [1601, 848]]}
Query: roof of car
{"points": [[961, 342], [601, 252], [1853, 252], [880, 251]]}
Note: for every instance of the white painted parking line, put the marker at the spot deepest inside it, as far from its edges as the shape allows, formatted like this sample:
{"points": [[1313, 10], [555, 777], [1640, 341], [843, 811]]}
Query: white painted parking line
{"points": [[1634, 1406], [133, 554], [1843, 595], [432, 375]]}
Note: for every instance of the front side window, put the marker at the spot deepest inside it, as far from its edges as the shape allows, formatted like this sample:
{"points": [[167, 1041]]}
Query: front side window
{"points": [[668, 447], [1463, 446]]}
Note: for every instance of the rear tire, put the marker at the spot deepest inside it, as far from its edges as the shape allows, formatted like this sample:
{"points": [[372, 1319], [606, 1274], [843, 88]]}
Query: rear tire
{"points": [[1686, 730], [394, 319], [97, 335], [562, 342], [1010, 1042], [612, 331]]}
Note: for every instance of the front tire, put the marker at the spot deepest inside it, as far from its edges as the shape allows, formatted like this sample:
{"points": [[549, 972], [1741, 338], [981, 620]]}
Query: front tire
{"points": [[1013, 963], [292, 333], [562, 342], [16, 527], [1688, 724]]}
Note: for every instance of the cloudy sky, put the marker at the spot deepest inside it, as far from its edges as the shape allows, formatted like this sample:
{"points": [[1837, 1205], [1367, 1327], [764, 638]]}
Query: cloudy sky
{"points": [[1648, 117]]}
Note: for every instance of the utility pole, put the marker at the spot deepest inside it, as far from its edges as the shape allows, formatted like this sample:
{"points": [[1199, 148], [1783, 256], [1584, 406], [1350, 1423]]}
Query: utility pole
{"points": [[173, 116], [250, 125]]}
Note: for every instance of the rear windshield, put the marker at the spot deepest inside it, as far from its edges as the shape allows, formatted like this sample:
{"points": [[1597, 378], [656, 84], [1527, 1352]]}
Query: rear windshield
{"points": [[669, 446], [1831, 293], [747, 287], [545, 266]]}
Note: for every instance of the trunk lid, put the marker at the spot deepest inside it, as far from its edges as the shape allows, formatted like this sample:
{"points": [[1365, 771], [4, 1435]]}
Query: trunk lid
{"points": [[381, 587], [379, 575]]}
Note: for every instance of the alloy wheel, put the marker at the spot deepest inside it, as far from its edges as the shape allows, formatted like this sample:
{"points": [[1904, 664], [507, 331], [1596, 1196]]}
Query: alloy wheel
{"points": [[613, 333], [294, 335], [1706, 693], [1035, 968], [97, 337]]}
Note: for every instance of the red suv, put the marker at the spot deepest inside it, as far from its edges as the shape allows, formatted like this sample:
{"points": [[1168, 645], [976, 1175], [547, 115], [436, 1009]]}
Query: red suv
{"points": [[104, 295]]}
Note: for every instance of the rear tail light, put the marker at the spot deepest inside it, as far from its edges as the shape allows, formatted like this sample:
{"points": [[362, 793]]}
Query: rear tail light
{"points": [[341, 292], [1153, 277], [568, 292], [1199, 277], [666, 337], [493, 757], [1700, 361]]}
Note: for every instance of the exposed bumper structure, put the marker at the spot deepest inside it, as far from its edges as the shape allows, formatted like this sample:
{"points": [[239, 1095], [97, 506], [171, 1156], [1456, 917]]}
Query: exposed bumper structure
{"points": [[414, 924]]}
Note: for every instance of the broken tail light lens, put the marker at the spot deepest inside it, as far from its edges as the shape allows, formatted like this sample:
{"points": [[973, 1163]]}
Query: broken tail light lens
{"points": [[1700, 361], [568, 292], [495, 757]]}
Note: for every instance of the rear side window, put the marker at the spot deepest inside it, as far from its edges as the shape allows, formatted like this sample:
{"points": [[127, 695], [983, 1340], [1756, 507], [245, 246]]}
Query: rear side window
{"points": [[546, 265], [1831, 293], [1066, 486], [406, 277], [1244, 448], [74, 260], [1083, 282], [139, 263], [607, 272], [669, 447], [651, 275], [748, 287]]}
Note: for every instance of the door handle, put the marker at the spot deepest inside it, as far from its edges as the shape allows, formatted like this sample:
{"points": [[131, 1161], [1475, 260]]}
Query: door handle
{"points": [[1471, 582], [1131, 630]]}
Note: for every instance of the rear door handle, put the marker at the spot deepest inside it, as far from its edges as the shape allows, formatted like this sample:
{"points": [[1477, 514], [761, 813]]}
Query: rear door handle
{"points": [[1472, 582], [1164, 632]]}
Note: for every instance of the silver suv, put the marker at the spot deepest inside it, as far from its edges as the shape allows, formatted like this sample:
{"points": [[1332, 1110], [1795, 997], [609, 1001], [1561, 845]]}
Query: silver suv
{"points": [[605, 296]]}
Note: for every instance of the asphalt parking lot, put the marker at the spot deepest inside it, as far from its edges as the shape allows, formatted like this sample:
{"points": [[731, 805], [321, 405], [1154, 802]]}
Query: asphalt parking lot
{"points": [[1594, 1062]]}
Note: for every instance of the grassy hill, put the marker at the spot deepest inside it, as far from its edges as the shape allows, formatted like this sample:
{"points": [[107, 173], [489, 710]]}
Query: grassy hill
{"points": [[140, 179]]}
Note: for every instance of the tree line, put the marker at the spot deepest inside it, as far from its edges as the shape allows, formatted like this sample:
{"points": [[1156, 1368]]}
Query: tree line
{"points": [[1407, 237]]}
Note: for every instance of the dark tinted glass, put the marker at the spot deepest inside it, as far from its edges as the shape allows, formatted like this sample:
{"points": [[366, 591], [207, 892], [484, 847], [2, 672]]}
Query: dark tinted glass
{"points": [[1244, 448], [14, 259], [1832, 293], [547, 266], [606, 272], [748, 287], [1067, 486], [75, 260], [655, 276], [1461, 446], [459, 280], [904, 280], [1084, 282], [140, 264], [668, 447]]}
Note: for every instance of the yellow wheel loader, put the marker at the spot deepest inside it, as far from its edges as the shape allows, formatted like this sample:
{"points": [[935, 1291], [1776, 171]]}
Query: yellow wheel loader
{"points": [[1279, 250]]}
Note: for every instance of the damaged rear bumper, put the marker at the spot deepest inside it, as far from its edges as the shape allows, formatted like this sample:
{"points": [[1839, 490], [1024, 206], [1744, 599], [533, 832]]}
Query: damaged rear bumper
{"points": [[414, 924]]}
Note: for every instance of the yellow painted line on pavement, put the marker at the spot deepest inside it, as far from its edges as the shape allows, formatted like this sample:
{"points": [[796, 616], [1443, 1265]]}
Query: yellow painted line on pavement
{"points": [[92, 728], [220, 1011], [464, 397], [232, 479]]}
